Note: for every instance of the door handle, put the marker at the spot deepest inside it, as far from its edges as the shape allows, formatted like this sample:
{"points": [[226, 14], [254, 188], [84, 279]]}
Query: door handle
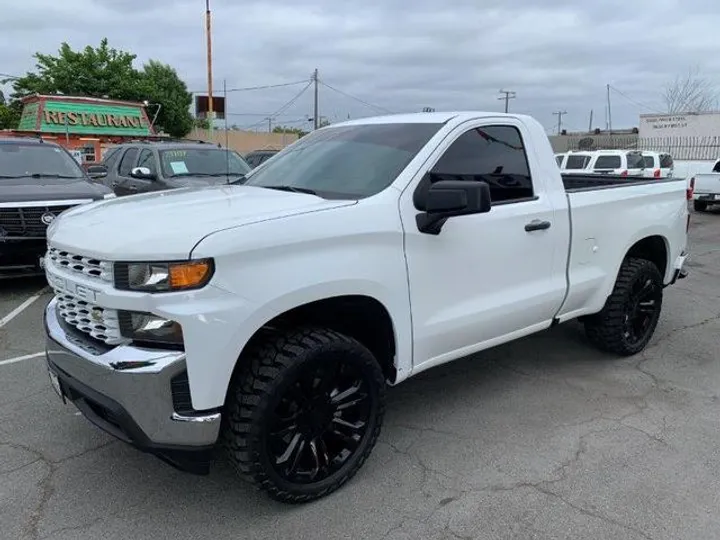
{"points": [[537, 225]]}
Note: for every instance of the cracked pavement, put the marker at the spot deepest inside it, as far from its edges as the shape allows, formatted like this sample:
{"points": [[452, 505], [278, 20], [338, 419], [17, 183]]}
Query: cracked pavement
{"points": [[544, 438]]}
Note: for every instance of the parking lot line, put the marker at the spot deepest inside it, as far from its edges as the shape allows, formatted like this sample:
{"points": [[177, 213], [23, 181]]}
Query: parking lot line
{"points": [[21, 358], [22, 307]]}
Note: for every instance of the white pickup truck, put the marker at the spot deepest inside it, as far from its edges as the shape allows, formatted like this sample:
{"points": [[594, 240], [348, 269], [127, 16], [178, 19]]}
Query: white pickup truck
{"points": [[267, 318], [706, 188]]}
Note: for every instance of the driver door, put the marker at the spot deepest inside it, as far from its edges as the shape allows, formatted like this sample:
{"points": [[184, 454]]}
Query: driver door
{"points": [[491, 277]]}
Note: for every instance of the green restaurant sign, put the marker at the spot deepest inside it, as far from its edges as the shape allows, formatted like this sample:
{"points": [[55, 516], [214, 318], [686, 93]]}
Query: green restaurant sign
{"points": [[84, 116]]}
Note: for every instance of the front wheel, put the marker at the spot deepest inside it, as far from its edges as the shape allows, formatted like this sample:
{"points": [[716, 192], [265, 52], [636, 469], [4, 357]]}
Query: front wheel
{"points": [[631, 313], [304, 413]]}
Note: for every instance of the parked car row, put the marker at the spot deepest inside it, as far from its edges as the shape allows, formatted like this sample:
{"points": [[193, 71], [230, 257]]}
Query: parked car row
{"points": [[628, 163]]}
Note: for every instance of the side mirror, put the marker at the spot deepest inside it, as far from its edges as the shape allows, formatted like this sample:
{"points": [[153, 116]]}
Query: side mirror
{"points": [[97, 171], [449, 198], [142, 172]]}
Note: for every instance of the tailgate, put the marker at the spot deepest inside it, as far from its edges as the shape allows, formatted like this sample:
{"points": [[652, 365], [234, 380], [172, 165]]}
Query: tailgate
{"points": [[707, 183]]}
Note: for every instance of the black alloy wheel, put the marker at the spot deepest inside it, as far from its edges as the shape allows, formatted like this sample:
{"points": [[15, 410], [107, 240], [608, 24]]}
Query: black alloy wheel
{"points": [[319, 421], [304, 412], [642, 310], [631, 313]]}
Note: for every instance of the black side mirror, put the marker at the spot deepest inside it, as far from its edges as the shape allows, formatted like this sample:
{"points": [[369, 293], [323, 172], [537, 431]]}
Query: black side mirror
{"points": [[97, 171], [449, 198]]}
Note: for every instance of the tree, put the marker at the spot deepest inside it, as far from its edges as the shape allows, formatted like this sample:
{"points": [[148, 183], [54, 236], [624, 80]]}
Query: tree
{"points": [[95, 72], [201, 123], [163, 87], [9, 114], [104, 72], [690, 93], [295, 130]]}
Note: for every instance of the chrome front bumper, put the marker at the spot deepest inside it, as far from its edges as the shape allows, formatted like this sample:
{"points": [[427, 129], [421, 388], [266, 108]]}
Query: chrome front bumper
{"points": [[127, 391]]}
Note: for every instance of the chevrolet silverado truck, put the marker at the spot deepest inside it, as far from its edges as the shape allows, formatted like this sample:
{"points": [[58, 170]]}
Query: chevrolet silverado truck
{"points": [[266, 318], [706, 188], [38, 181]]}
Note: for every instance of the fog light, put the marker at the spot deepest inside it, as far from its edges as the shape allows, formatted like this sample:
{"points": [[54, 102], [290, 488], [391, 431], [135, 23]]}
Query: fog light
{"points": [[149, 328]]}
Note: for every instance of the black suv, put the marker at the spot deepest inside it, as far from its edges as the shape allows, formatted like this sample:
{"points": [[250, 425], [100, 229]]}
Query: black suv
{"points": [[143, 166], [38, 181]]}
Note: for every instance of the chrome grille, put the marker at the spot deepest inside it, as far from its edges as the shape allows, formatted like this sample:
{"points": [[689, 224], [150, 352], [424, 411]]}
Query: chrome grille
{"points": [[92, 268], [27, 222], [99, 323]]}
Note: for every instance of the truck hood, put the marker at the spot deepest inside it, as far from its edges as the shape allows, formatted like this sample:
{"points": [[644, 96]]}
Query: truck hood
{"points": [[49, 189], [168, 224]]}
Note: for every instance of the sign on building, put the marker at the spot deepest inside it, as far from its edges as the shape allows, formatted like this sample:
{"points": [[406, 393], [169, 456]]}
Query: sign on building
{"points": [[679, 125]]}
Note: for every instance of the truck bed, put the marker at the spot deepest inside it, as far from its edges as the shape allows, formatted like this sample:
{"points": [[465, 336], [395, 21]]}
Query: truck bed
{"points": [[591, 182]]}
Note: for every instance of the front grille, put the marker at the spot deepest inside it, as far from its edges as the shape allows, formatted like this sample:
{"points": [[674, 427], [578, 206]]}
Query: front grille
{"points": [[180, 389], [27, 222], [97, 322], [88, 266]]}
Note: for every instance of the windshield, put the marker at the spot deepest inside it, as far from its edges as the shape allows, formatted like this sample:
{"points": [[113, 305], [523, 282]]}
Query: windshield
{"points": [[202, 162], [345, 162], [27, 160]]}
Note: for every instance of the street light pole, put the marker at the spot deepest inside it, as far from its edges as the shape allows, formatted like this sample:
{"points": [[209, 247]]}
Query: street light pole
{"points": [[209, 67]]}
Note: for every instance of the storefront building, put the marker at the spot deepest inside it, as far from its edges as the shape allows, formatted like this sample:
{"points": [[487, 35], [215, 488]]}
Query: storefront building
{"points": [[85, 126]]}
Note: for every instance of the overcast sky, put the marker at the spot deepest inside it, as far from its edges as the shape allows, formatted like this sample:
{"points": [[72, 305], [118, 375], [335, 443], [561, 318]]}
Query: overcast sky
{"points": [[398, 55]]}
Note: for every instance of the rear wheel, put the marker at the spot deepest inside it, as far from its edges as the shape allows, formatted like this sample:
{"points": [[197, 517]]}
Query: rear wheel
{"points": [[631, 313], [304, 413], [700, 206]]}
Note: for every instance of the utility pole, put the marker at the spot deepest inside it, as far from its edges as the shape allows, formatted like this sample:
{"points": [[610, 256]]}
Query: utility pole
{"points": [[590, 124], [609, 109], [508, 96], [316, 118], [269, 125], [560, 115], [209, 68]]}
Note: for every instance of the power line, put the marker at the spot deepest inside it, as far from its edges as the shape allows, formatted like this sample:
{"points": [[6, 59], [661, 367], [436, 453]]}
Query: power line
{"points": [[262, 87], [284, 107], [638, 103], [377, 107]]}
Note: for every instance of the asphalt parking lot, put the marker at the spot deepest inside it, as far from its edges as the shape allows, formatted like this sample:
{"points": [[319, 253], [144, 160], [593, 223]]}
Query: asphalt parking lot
{"points": [[543, 438]]}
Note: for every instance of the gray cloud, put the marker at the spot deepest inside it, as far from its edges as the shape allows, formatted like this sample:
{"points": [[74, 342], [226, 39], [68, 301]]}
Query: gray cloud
{"points": [[398, 55]]}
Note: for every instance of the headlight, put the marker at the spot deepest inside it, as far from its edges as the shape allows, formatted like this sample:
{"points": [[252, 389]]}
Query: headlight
{"points": [[148, 328], [163, 276]]}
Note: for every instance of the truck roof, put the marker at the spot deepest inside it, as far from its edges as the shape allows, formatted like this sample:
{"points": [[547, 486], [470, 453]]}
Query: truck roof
{"points": [[427, 118], [24, 140]]}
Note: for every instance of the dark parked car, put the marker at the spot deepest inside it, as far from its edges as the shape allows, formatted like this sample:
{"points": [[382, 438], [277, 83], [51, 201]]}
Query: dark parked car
{"points": [[140, 167], [38, 181], [256, 157]]}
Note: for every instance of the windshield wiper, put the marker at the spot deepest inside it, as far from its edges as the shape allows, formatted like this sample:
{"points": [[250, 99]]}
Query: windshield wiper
{"points": [[292, 189], [43, 175]]}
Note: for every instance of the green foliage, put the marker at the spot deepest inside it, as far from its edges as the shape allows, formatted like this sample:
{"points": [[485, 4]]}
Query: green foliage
{"points": [[163, 86], [285, 129], [104, 72], [202, 123]]}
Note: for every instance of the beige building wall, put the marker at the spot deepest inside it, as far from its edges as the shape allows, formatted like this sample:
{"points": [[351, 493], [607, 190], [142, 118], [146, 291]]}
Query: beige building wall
{"points": [[244, 141]]}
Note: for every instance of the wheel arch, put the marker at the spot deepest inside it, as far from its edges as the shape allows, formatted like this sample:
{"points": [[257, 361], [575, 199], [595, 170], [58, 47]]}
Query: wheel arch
{"points": [[360, 316]]}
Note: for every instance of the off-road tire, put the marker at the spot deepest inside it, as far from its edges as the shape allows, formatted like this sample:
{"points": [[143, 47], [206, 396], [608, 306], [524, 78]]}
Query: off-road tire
{"points": [[268, 368], [700, 206], [606, 329]]}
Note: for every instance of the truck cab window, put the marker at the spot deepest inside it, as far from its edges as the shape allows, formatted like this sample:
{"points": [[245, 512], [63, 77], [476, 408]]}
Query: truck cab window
{"points": [[128, 161], [147, 159], [493, 154]]}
